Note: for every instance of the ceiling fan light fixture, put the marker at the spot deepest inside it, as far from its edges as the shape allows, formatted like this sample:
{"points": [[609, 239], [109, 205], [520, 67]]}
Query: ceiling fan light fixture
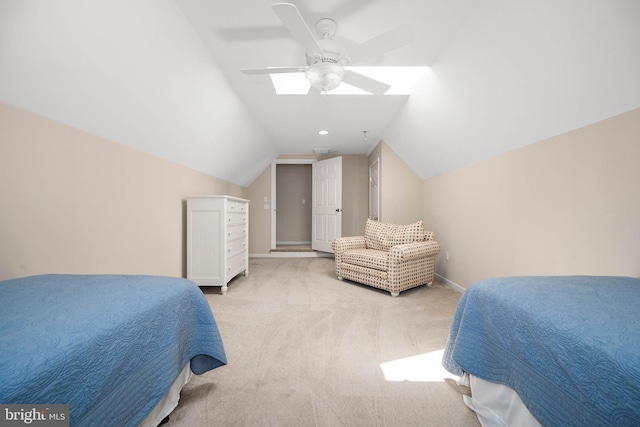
{"points": [[325, 76]]}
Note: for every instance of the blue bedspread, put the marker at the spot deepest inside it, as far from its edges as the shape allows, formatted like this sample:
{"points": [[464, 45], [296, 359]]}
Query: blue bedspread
{"points": [[570, 346], [109, 346]]}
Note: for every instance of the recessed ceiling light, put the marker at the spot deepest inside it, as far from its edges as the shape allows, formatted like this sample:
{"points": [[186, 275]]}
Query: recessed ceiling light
{"points": [[323, 132]]}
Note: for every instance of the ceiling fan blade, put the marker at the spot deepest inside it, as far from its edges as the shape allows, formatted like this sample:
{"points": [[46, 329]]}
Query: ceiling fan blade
{"points": [[291, 18], [381, 44], [274, 70], [365, 83]]}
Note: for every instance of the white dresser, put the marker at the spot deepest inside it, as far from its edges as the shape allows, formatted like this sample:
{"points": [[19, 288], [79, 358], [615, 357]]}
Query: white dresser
{"points": [[217, 239]]}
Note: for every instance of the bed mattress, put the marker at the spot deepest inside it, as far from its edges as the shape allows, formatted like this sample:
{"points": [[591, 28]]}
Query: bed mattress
{"points": [[109, 346], [569, 346]]}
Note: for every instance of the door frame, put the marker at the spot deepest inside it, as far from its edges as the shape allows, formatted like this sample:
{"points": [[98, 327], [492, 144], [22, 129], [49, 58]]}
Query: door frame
{"points": [[274, 165]]}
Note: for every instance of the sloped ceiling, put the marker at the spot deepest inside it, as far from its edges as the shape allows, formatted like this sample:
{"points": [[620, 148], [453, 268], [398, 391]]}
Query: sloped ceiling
{"points": [[134, 72], [163, 76]]}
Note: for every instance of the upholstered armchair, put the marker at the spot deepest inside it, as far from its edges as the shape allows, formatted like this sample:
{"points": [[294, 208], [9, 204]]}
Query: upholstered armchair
{"points": [[389, 256]]}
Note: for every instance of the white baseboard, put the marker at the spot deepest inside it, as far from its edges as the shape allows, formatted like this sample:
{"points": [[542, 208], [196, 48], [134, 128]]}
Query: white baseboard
{"points": [[449, 283], [259, 255], [290, 243], [293, 255], [301, 255]]}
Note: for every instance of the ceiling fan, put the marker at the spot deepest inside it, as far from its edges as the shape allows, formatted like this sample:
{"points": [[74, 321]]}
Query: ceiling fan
{"points": [[326, 59]]}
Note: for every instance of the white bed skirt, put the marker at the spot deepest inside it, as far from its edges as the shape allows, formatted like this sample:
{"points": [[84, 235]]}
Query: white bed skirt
{"points": [[170, 399], [496, 405]]}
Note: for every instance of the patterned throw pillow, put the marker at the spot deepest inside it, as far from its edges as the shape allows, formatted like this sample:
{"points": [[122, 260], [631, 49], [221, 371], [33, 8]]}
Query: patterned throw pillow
{"points": [[408, 233], [383, 236], [377, 235]]}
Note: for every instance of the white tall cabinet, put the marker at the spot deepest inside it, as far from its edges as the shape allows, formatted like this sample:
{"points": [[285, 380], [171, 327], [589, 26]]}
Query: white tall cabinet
{"points": [[217, 239]]}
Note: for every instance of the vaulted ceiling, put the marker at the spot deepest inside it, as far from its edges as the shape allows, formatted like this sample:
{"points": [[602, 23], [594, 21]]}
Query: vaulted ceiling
{"points": [[164, 76]]}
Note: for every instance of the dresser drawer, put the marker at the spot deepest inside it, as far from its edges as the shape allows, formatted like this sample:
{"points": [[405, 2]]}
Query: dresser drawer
{"points": [[236, 231], [236, 218], [235, 265], [233, 206], [235, 247]]}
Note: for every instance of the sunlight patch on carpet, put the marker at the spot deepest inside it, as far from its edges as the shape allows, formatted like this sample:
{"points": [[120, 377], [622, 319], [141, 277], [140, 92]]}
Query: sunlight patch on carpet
{"points": [[426, 367]]}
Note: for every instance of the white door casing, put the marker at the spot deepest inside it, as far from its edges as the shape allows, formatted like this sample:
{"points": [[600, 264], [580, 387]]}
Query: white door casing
{"points": [[327, 203]]}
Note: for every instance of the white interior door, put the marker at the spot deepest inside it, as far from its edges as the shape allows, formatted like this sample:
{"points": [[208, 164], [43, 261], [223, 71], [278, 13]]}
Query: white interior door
{"points": [[327, 203], [374, 190]]}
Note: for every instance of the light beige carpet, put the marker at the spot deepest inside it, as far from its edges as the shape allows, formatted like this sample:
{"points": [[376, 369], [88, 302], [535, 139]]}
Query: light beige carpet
{"points": [[305, 349]]}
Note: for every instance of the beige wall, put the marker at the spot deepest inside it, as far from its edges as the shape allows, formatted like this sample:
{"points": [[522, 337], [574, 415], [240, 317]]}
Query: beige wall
{"points": [[71, 202], [355, 194], [259, 217], [400, 188], [568, 205]]}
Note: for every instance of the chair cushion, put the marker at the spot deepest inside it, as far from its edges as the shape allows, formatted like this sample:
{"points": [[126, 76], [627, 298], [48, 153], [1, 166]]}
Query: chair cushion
{"points": [[369, 258]]}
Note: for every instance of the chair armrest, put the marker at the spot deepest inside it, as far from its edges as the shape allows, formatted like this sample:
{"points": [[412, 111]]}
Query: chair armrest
{"points": [[415, 250], [342, 244]]}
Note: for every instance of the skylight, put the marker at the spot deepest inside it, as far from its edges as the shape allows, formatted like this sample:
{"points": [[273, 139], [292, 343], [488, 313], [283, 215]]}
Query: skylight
{"points": [[401, 79]]}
